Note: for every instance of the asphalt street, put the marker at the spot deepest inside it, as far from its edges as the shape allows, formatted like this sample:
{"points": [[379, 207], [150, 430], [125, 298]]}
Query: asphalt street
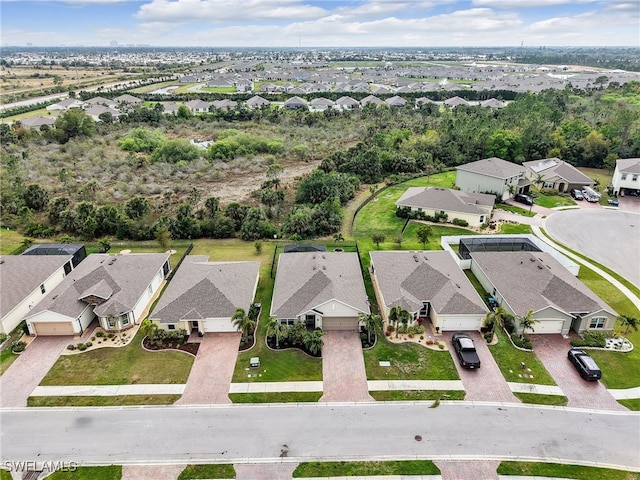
{"points": [[609, 237], [241, 433]]}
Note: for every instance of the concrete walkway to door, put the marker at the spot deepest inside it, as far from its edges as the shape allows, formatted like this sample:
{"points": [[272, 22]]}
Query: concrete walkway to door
{"points": [[211, 374], [24, 375], [343, 373]]}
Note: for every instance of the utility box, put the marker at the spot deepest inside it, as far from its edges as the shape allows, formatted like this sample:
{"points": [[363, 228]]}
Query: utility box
{"points": [[254, 362]]}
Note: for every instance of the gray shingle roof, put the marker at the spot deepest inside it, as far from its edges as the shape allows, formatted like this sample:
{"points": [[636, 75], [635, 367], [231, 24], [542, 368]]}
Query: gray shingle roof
{"points": [[305, 280], [126, 275], [447, 199], [628, 165], [22, 274], [493, 167], [411, 278], [551, 167], [201, 289], [535, 280]]}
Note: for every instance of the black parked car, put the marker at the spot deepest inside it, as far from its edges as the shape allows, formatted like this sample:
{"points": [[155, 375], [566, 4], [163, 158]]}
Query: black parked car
{"points": [[577, 194], [586, 366], [526, 199], [466, 350]]}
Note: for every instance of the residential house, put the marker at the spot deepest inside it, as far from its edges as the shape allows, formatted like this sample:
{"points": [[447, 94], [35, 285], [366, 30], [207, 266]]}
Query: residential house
{"points": [[493, 103], [320, 104], [492, 175], [100, 101], [128, 100], [455, 102], [625, 177], [95, 111], [295, 103], [428, 284], [36, 123], [25, 281], [521, 281], [373, 100], [203, 296], [396, 101], [257, 102], [114, 288], [66, 104], [76, 250], [474, 208], [169, 108], [197, 106], [556, 174], [322, 289], [346, 103]]}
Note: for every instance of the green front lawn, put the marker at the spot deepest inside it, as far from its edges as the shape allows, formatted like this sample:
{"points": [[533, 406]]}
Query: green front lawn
{"points": [[96, 401], [221, 470], [412, 395], [409, 361], [515, 228], [275, 397], [513, 209], [559, 470], [5, 475], [111, 472], [354, 469], [552, 201], [120, 366], [7, 357], [509, 360], [379, 216], [619, 370]]}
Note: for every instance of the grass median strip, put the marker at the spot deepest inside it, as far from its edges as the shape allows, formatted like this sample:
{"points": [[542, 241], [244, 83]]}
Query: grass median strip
{"points": [[417, 395], [559, 470], [222, 470], [275, 397], [351, 469], [110, 472], [539, 399], [95, 401]]}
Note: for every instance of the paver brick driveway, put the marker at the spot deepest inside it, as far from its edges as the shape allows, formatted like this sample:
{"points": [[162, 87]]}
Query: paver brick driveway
{"points": [[486, 384], [26, 373], [552, 352], [468, 469], [343, 374], [210, 378]]}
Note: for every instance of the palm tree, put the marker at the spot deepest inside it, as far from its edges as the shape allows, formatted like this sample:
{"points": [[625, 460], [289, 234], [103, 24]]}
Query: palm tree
{"points": [[313, 341], [527, 321], [405, 317], [394, 316], [370, 322], [243, 323], [539, 180], [276, 329], [629, 322]]}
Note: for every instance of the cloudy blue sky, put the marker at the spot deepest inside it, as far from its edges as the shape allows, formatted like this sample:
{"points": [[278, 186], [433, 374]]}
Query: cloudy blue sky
{"points": [[310, 23]]}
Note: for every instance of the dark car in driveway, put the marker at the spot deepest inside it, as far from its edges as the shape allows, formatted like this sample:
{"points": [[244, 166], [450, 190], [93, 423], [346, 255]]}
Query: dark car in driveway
{"points": [[521, 198], [586, 366], [466, 350]]}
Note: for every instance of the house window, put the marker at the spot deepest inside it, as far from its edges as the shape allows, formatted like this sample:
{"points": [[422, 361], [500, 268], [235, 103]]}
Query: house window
{"points": [[623, 176], [481, 218], [125, 319], [111, 322], [597, 322], [548, 184], [171, 327], [634, 178], [42, 289]]}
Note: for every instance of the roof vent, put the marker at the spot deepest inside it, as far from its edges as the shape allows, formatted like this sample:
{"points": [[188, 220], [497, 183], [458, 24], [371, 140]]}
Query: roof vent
{"points": [[540, 267], [314, 267], [532, 259], [324, 267]]}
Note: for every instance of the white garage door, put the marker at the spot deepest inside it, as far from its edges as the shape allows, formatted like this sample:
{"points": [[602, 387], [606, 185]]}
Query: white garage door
{"points": [[340, 323], [547, 326], [53, 328], [455, 324], [219, 325]]}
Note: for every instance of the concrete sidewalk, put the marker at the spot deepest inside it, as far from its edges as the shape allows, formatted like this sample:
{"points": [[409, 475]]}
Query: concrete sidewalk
{"points": [[278, 387], [535, 388], [625, 393], [384, 385]]}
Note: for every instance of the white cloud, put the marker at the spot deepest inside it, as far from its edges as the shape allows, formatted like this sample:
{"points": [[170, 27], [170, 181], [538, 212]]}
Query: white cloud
{"points": [[527, 3], [226, 10]]}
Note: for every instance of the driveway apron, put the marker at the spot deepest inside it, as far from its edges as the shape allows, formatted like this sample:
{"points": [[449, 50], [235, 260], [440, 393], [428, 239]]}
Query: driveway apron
{"points": [[552, 352], [156, 472], [26, 373], [343, 374], [266, 471], [486, 384], [210, 378], [468, 469]]}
